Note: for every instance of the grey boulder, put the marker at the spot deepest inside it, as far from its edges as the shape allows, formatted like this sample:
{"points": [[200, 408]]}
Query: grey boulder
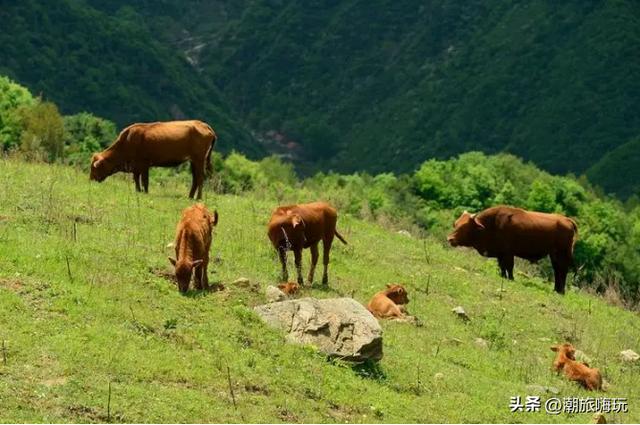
{"points": [[340, 327]]}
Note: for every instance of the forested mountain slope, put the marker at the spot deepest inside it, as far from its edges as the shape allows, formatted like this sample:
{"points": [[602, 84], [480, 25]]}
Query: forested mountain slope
{"points": [[356, 85]]}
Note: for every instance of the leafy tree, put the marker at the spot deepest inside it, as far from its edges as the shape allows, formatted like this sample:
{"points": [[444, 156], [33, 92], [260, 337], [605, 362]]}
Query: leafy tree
{"points": [[12, 98], [43, 135]]}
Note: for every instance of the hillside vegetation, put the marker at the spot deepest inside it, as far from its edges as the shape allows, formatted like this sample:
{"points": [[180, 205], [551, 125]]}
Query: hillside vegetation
{"points": [[428, 200], [358, 85], [85, 305]]}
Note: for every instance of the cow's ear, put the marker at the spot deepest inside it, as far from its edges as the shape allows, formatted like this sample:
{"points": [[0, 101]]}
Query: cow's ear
{"points": [[474, 217], [172, 261], [296, 220], [389, 285], [554, 348], [196, 263], [214, 220]]}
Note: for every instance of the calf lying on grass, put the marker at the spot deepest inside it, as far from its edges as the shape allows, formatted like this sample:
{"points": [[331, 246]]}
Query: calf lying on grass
{"points": [[289, 288], [389, 303], [193, 241], [565, 361]]}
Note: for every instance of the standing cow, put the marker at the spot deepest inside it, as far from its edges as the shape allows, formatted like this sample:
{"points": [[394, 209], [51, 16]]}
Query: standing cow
{"points": [[504, 232], [192, 244], [160, 144], [295, 227]]}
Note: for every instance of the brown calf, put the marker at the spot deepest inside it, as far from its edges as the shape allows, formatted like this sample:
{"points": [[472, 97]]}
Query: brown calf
{"points": [[159, 144], [389, 304], [295, 227], [289, 288], [565, 361], [193, 241]]}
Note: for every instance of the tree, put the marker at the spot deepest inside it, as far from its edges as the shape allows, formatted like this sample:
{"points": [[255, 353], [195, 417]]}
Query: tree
{"points": [[43, 135]]}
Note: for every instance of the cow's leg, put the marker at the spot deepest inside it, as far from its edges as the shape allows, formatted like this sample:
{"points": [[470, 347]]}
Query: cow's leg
{"points": [[326, 248], [205, 275], [297, 254], [198, 177], [192, 191], [136, 179], [506, 266], [145, 180], [314, 260], [560, 269], [282, 254]]}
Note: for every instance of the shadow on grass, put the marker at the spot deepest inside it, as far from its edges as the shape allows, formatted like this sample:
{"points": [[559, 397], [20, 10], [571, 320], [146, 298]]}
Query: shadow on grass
{"points": [[369, 370], [200, 293]]}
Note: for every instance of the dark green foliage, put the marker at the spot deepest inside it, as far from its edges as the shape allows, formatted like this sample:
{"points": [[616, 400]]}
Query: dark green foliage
{"points": [[86, 134], [112, 65]]}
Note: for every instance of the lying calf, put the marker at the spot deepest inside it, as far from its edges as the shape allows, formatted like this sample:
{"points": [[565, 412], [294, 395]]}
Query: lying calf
{"points": [[289, 288], [565, 361], [389, 304]]}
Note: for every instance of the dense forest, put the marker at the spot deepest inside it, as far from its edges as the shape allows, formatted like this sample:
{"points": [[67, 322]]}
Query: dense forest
{"points": [[353, 85], [425, 201]]}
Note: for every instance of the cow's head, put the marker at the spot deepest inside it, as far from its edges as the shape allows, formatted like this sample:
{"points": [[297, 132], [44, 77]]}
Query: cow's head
{"points": [[101, 167], [565, 349], [466, 230], [397, 294], [184, 270], [287, 230]]}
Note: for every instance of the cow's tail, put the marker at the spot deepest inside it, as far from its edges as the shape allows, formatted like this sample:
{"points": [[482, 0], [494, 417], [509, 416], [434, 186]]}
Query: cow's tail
{"points": [[573, 245], [208, 165], [339, 236]]}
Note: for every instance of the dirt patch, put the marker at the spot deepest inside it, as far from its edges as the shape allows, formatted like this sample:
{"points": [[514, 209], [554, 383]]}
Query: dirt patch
{"points": [[55, 382], [14, 285]]}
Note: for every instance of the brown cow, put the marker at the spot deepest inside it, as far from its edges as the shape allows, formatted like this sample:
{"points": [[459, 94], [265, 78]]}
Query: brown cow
{"points": [[565, 361], [294, 227], [389, 304], [159, 144], [193, 241], [504, 232]]}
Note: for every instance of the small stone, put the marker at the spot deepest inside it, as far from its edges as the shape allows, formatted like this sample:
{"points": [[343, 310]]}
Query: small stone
{"points": [[482, 343], [629, 356], [456, 341], [274, 294], [598, 418], [245, 283], [460, 312], [553, 390], [438, 376], [544, 339], [404, 233]]}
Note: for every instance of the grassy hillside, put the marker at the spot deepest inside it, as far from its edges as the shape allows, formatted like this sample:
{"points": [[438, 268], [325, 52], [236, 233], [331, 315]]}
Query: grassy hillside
{"points": [[85, 305]]}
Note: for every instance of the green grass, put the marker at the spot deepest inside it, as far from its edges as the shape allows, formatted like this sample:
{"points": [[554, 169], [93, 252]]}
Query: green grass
{"points": [[111, 317]]}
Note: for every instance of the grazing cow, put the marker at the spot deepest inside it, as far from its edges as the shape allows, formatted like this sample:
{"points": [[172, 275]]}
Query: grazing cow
{"points": [[193, 240], [504, 232], [565, 361], [389, 304], [159, 144], [294, 227], [289, 288]]}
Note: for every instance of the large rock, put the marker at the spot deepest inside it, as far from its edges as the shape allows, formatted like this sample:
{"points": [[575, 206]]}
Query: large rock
{"points": [[339, 327]]}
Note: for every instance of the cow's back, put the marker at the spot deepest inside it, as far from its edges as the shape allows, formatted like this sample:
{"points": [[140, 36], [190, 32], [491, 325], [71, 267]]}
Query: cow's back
{"points": [[166, 143], [528, 234], [194, 228]]}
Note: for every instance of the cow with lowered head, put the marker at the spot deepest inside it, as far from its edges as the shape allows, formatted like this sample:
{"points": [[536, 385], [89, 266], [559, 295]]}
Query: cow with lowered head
{"points": [[295, 227], [159, 144], [504, 232], [192, 244]]}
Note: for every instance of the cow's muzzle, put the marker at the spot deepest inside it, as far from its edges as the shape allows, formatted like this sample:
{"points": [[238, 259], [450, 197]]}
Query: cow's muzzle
{"points": [[452, 240]]}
